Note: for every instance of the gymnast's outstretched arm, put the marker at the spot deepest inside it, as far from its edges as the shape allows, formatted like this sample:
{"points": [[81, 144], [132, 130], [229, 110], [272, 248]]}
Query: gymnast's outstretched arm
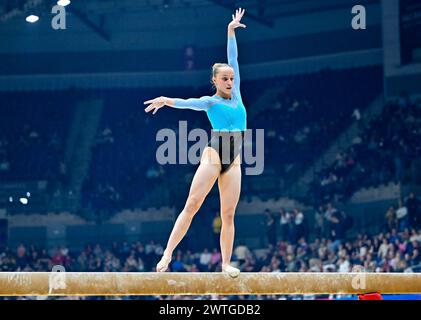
{"points": [[198, 104]]}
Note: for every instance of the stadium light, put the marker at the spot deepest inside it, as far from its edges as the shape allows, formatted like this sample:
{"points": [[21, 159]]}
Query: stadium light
{"points": [[63, 3], [32, 18]]}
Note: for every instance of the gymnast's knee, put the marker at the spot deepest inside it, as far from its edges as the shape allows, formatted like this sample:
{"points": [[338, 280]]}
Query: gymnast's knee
{"points": [[227, 215], [192, 206]]}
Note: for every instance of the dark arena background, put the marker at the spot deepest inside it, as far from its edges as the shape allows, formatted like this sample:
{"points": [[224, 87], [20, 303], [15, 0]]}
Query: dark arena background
{"points": [[334, 84]]}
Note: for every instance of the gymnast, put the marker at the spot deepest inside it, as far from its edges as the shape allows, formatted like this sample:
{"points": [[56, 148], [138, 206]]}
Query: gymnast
{"points": [[227, 115]]}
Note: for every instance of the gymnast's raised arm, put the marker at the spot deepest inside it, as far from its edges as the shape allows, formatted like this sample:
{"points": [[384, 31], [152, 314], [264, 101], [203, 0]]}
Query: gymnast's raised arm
{"points": [[232, 51]]}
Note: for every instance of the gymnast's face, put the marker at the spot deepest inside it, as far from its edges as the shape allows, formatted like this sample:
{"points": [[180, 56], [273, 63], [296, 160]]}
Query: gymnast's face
{"points": [[224, 80]]}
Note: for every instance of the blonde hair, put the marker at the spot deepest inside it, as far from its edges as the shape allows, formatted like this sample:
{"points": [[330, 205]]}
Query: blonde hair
{"points": [[215, 70]]}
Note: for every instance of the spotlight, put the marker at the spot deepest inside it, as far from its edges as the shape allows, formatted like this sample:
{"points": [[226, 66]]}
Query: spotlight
{"points": [[63, 3], [10, 199], [32, 18], [23, 200], [28, 194]]}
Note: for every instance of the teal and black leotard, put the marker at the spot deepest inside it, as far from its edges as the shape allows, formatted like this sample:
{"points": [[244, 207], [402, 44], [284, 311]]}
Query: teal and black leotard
{"points": [[228, 117]]}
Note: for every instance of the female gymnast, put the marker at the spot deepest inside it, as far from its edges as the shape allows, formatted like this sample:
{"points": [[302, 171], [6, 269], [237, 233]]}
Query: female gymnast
{"points": [[227, 115]]}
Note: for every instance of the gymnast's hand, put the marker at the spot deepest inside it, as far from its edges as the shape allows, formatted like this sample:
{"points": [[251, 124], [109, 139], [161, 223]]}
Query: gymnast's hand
{"points": [[235, 23], [155, 104]]}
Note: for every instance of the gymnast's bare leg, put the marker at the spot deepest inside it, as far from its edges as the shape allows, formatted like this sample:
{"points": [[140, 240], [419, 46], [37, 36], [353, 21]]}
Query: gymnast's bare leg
{"points": [[202, 183], [229, 184]]}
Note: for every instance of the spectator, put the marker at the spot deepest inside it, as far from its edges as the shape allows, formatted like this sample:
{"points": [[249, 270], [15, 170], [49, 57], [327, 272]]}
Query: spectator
{"points": [[205, 258], [402, 216], [284, 222], [319, 223], [299, 224], [131, 264], [21, 257], [241, 252], [356, 114], [336, 218], [216, 229], [216, 257], [330, 211], [414, 207], [189, 57], [292, 232], [391, 221], [177, 265], [270, 226], [383, 250]]}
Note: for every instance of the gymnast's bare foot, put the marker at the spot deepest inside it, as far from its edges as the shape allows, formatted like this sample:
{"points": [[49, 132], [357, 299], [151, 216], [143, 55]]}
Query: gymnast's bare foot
{"points": [[231, 271], [162, 265]]}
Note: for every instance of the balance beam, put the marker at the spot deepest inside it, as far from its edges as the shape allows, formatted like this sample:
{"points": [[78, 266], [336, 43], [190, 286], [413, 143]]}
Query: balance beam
{"points": [[202, 283]]}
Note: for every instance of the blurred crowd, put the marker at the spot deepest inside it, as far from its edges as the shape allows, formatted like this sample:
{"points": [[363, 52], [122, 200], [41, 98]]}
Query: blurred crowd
{"points": [[392, 250], [380, 154], [33, 135]]}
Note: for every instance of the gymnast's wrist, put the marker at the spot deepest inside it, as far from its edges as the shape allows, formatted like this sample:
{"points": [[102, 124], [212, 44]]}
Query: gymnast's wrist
{"points": [[167, 101], [162, 100]]}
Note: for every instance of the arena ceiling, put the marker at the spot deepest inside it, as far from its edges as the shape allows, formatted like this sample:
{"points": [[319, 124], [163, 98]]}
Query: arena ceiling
{"points": [[115, 24], [263, 11]]}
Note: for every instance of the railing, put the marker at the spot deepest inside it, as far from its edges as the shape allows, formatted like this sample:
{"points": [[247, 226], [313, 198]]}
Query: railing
{"points": [[345, 60]]}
